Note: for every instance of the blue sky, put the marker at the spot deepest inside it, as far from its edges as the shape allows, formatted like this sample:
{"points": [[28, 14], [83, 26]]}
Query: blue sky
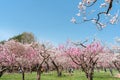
{"points": [[49, 20]]}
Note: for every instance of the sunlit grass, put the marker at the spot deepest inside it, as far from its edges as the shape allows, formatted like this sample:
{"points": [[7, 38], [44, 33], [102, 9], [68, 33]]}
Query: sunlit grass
{"points": [[77, 75]]}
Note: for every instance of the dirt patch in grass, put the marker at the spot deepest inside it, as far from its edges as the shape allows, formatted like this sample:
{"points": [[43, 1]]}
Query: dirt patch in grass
{"points": [[118, 75]]}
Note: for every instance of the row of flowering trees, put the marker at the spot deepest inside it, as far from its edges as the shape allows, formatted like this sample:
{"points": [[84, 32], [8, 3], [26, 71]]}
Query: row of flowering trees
{"points": [[15, 54], [35, 56]]}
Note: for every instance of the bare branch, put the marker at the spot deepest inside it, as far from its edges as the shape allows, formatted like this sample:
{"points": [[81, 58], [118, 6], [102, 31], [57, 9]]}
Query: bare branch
{"points": [[92, 4], [110, 6]]}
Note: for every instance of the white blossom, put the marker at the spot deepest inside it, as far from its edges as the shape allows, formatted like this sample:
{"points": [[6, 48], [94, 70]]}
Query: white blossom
{"points": [[114, 19], [117, 39], [108, 14], [102, 25], [84, 18], [78, 14], [73, 20], [107, 1], [93, 20], [103, 5], [87, 1], [81, 6]]}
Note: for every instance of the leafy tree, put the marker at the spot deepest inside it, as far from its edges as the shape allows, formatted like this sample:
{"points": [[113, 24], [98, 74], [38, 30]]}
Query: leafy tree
{"points": [[25, 37], [2, 42]]}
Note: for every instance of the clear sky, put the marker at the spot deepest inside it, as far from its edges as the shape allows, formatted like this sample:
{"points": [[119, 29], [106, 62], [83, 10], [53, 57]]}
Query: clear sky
{"points": [[49, 20]]}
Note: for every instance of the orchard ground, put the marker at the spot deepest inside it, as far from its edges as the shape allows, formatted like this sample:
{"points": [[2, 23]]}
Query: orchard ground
{"points": [[77, 75]]}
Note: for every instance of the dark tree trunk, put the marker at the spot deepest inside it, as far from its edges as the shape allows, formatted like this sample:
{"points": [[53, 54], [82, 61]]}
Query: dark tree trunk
{"points": [[59, 72], [86, 75], [116, 67], [47, 67], [111, 71], [2, 71], [105, 70], [89, 73], [90, 76], [23, 74], [39, 73]]}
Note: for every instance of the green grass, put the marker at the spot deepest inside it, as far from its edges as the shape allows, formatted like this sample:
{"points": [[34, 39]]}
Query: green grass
{"points": [[77, 75]]}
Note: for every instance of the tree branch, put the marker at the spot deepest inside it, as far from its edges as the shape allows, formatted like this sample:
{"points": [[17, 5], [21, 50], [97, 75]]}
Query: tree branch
{"points": [[110, 6]]}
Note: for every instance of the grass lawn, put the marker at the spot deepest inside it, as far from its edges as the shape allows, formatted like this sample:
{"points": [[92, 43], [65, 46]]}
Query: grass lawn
{"points": [[77, 75]]}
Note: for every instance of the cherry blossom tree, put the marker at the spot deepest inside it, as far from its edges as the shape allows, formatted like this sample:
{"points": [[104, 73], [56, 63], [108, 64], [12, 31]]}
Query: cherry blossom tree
{"points": [[106, 60], [99, 12], [7, 60], [16, 54], [24, 56], [59, 61], [116, 58], [2, 52], [41, 56], [18, 50], [86, 57]]}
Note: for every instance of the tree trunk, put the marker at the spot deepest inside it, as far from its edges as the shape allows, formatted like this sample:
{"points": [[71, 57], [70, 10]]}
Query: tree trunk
{"points": [[86, 75], [2, 71], [39, 72], [111, 71], [47, 67], [89, 73], [23, 74], [116, 67], [59, 73], [105, 70], [90, 76]]}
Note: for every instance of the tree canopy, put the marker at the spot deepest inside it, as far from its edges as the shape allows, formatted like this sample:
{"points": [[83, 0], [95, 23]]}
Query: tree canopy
{"points": [[25, 37]]}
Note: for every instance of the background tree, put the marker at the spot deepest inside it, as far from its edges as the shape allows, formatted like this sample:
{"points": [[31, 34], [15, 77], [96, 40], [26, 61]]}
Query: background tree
{"points": [[59, 61], [116, 59], [2, 42], [106, 60], [2, 52], [7, 60], [40, 57], [18, 50], [15, 54], [25, 37]]}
